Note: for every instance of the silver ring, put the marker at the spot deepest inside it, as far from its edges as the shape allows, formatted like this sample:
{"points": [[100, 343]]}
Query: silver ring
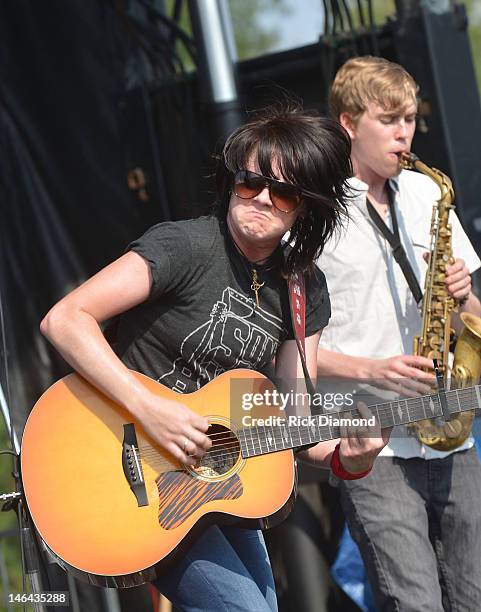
{"points": [[186, 441]]}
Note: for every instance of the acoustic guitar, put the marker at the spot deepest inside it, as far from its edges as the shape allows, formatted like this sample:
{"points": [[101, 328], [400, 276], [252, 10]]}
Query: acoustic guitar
{"points": [[114, 508]]}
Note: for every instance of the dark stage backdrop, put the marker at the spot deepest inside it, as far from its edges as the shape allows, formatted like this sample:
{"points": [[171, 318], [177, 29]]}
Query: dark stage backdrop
{"points": [[98, 141], [96, 144]]}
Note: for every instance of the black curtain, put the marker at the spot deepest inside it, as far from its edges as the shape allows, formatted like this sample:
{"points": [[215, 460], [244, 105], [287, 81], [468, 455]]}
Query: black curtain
{"points": [[89, 102]]}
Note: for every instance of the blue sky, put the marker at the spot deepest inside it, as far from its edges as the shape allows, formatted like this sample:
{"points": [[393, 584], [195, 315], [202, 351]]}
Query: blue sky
{"points": [[302, 25]]}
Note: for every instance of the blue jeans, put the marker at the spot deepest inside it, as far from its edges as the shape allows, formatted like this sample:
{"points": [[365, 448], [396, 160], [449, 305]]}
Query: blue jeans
{"points": [[417, 523], [227, 568]]}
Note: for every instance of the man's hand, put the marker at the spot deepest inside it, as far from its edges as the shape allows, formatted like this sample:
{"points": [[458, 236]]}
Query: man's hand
{"points": [[360, 446], [458, 280], [404, 374]]}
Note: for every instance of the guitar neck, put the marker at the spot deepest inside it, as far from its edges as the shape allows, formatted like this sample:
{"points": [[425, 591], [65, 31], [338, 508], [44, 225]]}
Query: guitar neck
{"points": [[260, 440]]}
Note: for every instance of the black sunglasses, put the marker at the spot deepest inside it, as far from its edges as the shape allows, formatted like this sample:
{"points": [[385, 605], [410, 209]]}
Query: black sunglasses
{"points": [[284, 196]]}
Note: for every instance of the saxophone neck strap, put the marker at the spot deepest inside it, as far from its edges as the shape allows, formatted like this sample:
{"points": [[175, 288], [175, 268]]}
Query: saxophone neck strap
{"points": [[395, 243]]}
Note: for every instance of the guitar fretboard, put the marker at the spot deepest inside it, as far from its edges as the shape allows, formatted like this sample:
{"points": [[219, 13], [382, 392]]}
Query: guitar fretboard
{"points": [[260, 440]]}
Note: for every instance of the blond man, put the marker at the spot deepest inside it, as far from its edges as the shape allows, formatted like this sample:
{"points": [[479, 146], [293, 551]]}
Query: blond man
{"points": [[416, 517]]}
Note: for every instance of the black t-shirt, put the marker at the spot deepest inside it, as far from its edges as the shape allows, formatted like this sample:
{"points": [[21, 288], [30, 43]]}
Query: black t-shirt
{"points": [[201, 317]]}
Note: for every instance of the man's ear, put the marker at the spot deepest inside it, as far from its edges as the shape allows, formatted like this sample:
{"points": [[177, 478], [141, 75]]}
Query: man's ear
{"points": [[348, 124]]}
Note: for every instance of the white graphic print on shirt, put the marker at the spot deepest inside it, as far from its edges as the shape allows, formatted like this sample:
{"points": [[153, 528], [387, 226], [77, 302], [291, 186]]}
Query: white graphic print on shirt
{"points": [[229, 339]]}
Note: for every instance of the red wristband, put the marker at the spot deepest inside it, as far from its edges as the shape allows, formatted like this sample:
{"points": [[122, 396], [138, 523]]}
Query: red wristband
{"points": [[340, 472]]}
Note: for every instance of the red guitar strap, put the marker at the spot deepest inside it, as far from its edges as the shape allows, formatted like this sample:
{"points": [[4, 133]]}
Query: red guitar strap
{"points": [[297, 302]]}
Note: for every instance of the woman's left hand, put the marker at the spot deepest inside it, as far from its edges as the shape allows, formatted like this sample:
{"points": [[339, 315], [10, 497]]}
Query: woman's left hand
{"points": [[360, 446]]}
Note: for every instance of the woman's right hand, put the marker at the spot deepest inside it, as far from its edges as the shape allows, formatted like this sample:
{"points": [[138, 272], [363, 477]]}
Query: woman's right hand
{"points": [[176, 428]]}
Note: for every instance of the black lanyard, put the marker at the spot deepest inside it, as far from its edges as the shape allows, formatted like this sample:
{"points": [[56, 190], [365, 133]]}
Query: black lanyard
{"points": [[394, 240]]}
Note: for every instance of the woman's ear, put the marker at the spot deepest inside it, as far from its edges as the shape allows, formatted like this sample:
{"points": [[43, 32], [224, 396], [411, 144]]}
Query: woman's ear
{"points": [[348, 124]]}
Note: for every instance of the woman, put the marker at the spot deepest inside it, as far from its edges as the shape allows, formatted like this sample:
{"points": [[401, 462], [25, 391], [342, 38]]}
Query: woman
{"points": [[203, 296]]}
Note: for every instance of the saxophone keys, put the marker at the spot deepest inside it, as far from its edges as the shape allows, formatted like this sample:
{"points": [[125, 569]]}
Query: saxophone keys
{"points": [[435, 341], [435, 355]]}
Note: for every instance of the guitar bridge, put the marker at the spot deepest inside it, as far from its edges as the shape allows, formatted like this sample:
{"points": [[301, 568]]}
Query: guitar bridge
{"points": [[132, 466]]}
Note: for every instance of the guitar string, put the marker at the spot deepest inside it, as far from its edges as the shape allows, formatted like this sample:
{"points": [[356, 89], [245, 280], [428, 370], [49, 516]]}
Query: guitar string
{"points": [[147, 448], [232, 436], [212, 436], [232, 450], [212, 451], [236, 450], [227, 435], [272, 434], [217, 453], [275, 438], [218, 442], [383, 409], [164, 466], [217, 461], [220, 457]]}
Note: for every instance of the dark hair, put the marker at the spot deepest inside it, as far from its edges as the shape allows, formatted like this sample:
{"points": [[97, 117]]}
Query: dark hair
{"points": [[313, 153]]}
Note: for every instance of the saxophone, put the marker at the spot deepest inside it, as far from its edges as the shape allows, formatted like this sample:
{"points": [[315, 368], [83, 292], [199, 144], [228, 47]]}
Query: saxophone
{"points": [[437, 308]]}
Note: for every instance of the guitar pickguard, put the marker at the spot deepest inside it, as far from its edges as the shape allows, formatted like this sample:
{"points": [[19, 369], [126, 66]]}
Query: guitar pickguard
{"points": [[180, 494]]}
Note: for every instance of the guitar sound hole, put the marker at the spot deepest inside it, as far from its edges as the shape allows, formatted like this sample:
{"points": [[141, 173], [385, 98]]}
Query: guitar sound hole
{"points": [[223, 454]]}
